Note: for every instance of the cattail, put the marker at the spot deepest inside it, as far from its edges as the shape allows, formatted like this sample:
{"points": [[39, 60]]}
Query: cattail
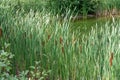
{"points": [[61, 40], [0, 32], [49, 36], [111, 58]]}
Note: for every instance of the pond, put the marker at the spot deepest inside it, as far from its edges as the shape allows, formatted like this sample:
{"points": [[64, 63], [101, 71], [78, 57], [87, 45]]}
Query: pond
{"points": [[85, 26]]}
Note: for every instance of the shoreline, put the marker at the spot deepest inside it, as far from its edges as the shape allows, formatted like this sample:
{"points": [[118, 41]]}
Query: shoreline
{"points": [[104, 14]]}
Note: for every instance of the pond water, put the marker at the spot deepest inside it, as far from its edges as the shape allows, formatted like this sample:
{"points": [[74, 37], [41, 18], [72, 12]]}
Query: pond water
{"points": [[85, 26]]}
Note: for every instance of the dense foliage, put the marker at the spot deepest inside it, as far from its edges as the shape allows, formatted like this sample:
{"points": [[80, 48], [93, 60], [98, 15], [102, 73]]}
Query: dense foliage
{"points": [[80, 6], [43, 46]]}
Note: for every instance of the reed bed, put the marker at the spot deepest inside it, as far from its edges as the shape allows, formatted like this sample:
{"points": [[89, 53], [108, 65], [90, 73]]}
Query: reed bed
{"points": [[37, 36]]}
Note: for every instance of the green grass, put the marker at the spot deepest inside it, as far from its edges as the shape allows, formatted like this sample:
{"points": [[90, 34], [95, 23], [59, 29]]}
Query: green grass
{"points": [[37, 36]]}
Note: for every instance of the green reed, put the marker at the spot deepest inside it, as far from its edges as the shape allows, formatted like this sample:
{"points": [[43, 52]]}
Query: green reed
{"points": [[37, 36]]}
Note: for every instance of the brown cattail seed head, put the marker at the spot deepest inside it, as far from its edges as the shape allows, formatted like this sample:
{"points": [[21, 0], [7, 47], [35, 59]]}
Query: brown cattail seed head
{"points": [[111, 58], [61, 40], [1, 32]]}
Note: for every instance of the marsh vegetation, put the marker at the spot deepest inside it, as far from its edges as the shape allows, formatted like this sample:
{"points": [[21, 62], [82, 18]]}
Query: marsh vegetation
{"points": [[39, 40]]}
